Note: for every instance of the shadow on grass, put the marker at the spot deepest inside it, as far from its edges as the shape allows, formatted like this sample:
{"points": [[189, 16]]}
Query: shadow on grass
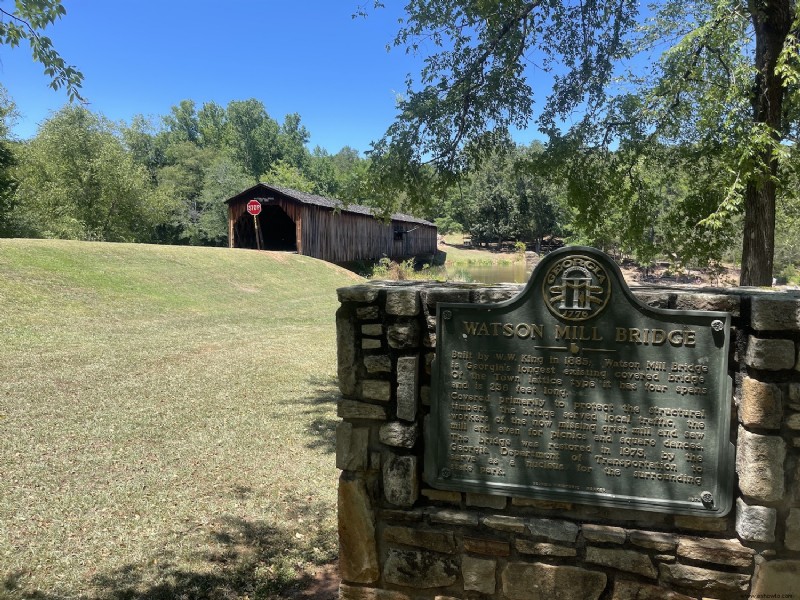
{"points": [[242, 559], [322, 412]]}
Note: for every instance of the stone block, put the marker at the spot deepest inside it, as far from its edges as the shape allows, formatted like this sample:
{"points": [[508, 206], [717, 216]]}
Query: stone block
{"points": [[656, 299], [604, 534], [345, 352], [425, 395], [377, 363], [376, 389], [542, 504], [371, 344], [707, 580], [403, 336], [453, 517], [433, 296], [436, 541], [792, 539], [555, 530], [479, 574], [358, 293], [429, 340], [358, 555], [494, 294], [653, 540], [351, 409], [367, 313], [352, 592], [400, 479], [429, 361], [399, 435], [759, 464], [778, 312], [402, 303], [794, 395], [407, 387], [442, 496], [629, 561], [398, 515], [505, 523], [351, 447], [721, 552], [776, 579], [701, 523], [761, 405], [770, 354], [486, 500], [373, 329], [793, 421], [715, 302], [544, 548], [419, 569], [633, 590], [538, 581], [755, 523], [487, 547]]}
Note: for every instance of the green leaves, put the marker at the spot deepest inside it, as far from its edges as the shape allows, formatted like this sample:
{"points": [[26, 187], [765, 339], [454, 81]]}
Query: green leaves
{"points": [[77, 181], [474, 85], [26, 22]]}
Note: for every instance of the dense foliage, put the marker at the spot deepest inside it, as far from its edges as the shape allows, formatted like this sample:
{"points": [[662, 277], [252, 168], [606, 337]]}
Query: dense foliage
{"points": [[712, 87], [84, 177], [165, 180]]}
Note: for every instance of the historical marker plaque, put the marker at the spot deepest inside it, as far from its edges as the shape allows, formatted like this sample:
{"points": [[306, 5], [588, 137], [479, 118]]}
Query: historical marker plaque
{"points": [[576, 391]]}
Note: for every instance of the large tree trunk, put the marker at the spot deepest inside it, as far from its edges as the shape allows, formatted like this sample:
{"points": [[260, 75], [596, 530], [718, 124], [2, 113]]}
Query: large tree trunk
{"points": [[758, 247], [772, 20]]}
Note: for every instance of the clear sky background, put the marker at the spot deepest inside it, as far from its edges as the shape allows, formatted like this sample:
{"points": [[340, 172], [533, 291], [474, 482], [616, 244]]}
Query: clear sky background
{"points": [[142, 57]]}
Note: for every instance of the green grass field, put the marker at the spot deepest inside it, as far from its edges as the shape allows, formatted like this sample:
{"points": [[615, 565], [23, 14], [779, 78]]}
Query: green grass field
{"points": [[167, 418], [457, 254]]}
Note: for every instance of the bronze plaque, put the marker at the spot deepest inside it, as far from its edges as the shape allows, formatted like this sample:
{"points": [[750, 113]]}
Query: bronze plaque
{"points": [[577, 391]]}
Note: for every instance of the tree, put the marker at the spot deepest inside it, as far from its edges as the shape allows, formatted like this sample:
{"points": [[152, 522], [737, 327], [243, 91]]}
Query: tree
{"points": [[182, 179], [27, 22], [8, 161], [507, 202], [704, 89], [293, 140], [284, 174], [252, 136], [211, 121], [223, 179], [77, 181], [146, 147]]}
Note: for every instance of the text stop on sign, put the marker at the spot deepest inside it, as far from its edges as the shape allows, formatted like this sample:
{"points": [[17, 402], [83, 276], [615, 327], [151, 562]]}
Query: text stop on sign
{"points": [[254, 207]]}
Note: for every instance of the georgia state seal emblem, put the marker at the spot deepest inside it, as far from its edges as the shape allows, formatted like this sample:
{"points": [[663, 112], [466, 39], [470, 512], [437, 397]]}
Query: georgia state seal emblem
{"points": [[576, 288]]}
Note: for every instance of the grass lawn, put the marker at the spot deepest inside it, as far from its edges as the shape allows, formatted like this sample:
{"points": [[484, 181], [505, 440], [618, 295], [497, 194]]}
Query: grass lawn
{"points": [[457, 253], [167, 418]]}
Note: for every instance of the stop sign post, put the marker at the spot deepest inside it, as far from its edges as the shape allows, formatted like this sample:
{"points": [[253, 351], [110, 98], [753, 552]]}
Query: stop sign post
{"points": [[254, 208]]}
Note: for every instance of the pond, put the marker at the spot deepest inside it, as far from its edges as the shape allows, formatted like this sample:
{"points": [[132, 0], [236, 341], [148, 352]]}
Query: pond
{"points": [[515, 272]]}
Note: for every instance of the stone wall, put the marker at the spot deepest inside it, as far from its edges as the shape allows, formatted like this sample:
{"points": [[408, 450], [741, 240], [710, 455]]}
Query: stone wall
{"points": [[400, 539]]}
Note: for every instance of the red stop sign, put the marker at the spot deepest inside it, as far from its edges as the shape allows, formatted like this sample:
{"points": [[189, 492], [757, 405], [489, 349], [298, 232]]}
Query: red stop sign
{"points": [[254, 207]]}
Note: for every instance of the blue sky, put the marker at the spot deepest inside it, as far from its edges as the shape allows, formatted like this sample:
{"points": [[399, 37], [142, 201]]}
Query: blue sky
{"points": [[309, 57]]}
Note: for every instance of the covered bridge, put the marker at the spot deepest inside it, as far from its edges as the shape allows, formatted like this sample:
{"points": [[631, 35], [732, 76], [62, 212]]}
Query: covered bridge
{"points": [[324, 228]]}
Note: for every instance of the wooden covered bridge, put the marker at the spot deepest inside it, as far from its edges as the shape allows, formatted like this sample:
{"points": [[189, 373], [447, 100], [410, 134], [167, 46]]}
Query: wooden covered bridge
{"points": [[324, 228]]}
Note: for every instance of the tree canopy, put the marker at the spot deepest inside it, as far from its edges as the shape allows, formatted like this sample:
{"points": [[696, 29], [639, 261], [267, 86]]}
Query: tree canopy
{"points": [[717, 79], [161, 180]]}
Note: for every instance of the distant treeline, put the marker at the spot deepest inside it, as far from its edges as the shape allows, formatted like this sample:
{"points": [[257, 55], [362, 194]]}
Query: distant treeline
{"points": [[164, 180]]}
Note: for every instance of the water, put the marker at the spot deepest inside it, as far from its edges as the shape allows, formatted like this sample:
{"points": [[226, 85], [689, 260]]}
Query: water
{"points": [[516, 272]]}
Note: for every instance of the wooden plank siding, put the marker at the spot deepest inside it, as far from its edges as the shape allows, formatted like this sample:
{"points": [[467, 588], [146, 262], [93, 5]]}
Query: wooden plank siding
{"points": [[349, 234]]}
